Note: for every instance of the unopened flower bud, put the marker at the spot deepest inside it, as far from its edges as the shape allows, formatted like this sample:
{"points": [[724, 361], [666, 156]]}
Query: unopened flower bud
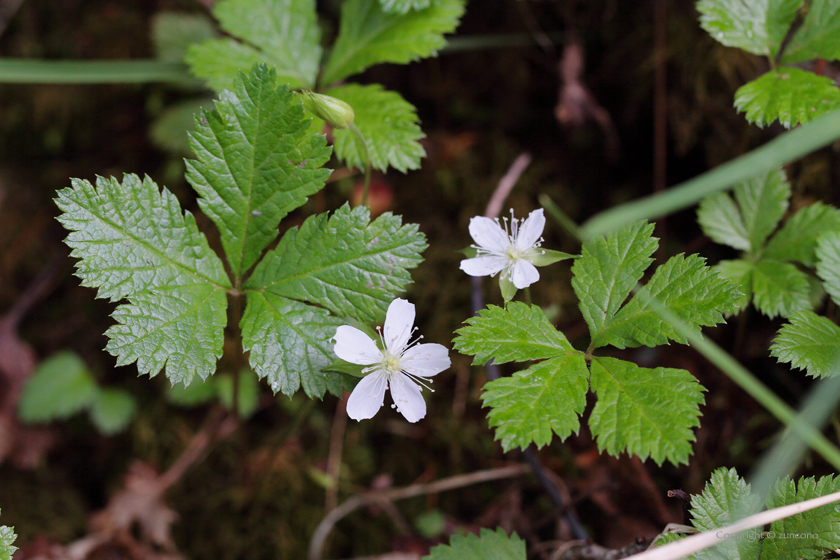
{"points": [[335, 111]]}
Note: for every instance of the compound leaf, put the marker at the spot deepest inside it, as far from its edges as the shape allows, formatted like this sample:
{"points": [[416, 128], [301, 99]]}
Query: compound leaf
{"points": [[389, 125], [756, 26], [763, 201], [790, 95], [490, 545], [809, 342], [806, 535], [344, 263], [134, 242], [403, 6], [112, 411], [516, 333], [722, 222], [686, 287], [367, 35], [828, 263], [547, 397], [608, 269], [283, 33], [779, 288], [60, 387], [797, 239], [819, 36], [289, 343], [646, 412], [256, 163]]}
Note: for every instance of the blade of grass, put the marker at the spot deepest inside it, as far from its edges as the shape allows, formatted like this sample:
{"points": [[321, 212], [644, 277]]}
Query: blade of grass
{"points": [[29, 71]]}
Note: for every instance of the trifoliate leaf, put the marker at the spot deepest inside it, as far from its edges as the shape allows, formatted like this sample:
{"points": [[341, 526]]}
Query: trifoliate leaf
{"points": [[491, 545], [403, 6], [779, 288], [819, 36], [367, 36], [60, 387], [290, 343], [828, 263], [344, 263], [112, 411], [283, 33], [756, 26], [608, 269], [516, 333], [806, 535], [686, 287], [7, 537], [389, 125], [645, 412], [173, 33], [134, 242], [722, 222], [249, 392], [739, 272], [256, 163], [790, 95], [725, 500], [797, 240], [547, 397], [194, 394], [809, 342]]}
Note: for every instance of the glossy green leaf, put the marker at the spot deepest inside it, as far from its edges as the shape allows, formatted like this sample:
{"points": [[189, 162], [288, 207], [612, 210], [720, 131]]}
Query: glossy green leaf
{"points": [[645, 412], [756, 26], [112, 411], [790, 95], [797, 239], [489, 545], [828, 263], [819, 35], [779, 288], [809, 342], [60, 387]]}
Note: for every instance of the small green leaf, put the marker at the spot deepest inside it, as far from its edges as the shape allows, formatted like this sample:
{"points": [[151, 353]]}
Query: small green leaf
{"points": [[739, 272], [507, 288], [60, 387], [547, 397], [756, 26], [112, 411], [516, 333], [431, 523], [608, 269], [819, 35], [283, 33], [547, 257], [790, 95], [389, 125], [779, 288], [7, 537], [193, 394], [809, 342], [686, 287], [249, 392], [828, 263], [646, 412], [797, 240], [367, 36], [490, 545], [340, 366], [403, 6], [173, 33], [722, 222]]}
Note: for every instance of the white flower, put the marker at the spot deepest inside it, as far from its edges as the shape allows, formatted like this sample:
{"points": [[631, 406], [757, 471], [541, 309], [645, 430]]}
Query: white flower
{"points": [[510, 252], [400, 365]]}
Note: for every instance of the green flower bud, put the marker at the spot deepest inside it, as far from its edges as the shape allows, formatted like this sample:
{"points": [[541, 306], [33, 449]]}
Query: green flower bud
{"points": [[335, 111]]}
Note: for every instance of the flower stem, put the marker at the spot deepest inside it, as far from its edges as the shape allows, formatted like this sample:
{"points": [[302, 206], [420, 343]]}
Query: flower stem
{"points": [[361, 138]]}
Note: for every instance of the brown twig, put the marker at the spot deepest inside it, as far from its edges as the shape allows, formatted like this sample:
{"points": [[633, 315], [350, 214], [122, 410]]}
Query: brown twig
{"points": [[506, 183]]}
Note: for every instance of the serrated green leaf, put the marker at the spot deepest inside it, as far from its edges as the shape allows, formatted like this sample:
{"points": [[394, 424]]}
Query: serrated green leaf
{"points": [[686, 287], [367, 36], [283, 33], [608, 269], [112, 411], [174, 32], [60, 387], [403, 6], [491, 545], [249, 392], [790, 95], [646, 412], [819, 35], [828, 263], [344, 263], [763, 201], [721, 220], [256, 163], [756, 26], [290, 344], [7, 538], [739, 272], [797, 239], [779, 288], [809, 342], [547, 397], [193, 394], [806, 535], [516, 333], [389, 125]]}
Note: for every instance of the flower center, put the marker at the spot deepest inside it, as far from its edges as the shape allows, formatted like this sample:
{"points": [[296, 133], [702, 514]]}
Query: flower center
{"points": [[390, 363]]}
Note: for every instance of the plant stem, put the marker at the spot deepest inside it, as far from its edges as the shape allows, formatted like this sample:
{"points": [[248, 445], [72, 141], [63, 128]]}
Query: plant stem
{"points": [[361, 138]]}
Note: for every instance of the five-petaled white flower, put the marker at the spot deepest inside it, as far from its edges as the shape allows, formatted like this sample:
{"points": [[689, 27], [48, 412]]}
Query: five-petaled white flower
{"points": [[511, 252], [400, 364]]}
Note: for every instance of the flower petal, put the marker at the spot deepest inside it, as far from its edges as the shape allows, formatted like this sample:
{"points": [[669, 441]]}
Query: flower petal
{"points": [[530, 230], [356, 347], [489, 234], [368, 396], [407, 397], [398, 323], [484, 266], [524, 274], [425, 360]]}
